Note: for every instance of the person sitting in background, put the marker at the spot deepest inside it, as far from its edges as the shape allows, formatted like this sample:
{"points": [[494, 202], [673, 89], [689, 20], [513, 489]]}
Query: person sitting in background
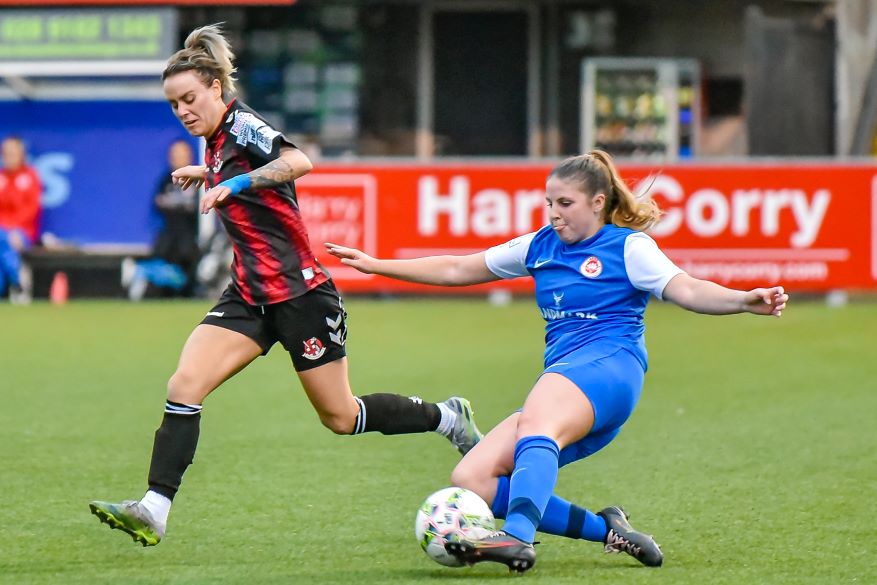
{"points": [[19, 214], [175, 253]]}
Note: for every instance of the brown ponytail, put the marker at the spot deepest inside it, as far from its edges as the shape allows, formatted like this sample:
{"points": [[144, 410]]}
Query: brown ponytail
{"points": [[207, 53], [594, 173]]}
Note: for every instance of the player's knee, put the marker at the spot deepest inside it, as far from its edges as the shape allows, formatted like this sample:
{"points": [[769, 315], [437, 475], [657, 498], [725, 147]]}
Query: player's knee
{"points": [[338, 423], [528, 425], [468, 476], [185, 387], [474, 479], [462, 477]]}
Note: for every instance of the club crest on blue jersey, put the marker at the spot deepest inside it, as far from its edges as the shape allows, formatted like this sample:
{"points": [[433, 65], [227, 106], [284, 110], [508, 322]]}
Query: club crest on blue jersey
{"points": [[592, 267], [587, 291]]}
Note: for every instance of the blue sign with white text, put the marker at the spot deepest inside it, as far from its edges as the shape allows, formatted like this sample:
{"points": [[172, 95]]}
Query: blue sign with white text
{"points": [[99, 162]]}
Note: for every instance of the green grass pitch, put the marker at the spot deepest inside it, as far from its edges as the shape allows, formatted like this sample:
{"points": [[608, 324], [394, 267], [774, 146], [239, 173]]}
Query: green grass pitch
{"points": [[752, 456]]}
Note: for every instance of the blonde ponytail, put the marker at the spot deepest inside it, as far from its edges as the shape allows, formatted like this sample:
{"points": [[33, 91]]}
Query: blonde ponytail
{"points": [[594, 173], [629, 211], [207, 53]]}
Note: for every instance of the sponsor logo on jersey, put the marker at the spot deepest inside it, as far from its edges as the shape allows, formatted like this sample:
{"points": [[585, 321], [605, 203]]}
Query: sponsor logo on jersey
{"points": [[239, 123], [552, 314], [314, 349], [592, 267], [541, 262], [557, 298], [215, 314], [249, 128]]}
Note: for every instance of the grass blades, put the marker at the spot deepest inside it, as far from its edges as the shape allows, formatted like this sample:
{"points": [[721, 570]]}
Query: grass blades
{"points": [[751, 456]]}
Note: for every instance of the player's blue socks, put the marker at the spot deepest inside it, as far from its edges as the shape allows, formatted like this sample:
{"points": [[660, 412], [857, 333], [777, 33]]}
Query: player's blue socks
{"points": [[565, 519], [531, 485], [560, 517], [500, 505]]}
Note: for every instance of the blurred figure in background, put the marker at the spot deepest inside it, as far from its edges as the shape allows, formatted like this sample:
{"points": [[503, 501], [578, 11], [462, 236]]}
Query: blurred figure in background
{"points": [[19, 216], [174, 261]]}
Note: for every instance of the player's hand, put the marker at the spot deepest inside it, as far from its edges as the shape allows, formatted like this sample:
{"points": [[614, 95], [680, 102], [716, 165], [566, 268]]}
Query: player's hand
{"points": [[192, 175], [352, 257], [214, 197], [766, 301]]}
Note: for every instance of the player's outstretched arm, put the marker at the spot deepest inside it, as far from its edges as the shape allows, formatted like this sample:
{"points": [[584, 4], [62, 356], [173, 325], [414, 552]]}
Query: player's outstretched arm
{"points": [[437, 270], [289, 166], [190, 175], [704, 296]]}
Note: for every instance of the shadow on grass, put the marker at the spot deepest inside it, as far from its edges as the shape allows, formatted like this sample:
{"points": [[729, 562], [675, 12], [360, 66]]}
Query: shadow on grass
{"points": [[487, 573]]}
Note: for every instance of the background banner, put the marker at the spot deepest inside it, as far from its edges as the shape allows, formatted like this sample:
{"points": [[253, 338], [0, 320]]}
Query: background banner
{"points": [[808, 226], [100, 163]]}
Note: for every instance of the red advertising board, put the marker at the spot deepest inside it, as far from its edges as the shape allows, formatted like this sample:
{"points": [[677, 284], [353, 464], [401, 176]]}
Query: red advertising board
{"points": [[810, 227]]}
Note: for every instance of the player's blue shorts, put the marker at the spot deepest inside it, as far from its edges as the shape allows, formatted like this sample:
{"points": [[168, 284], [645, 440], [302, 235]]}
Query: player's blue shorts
{"points": [[612, 379]]}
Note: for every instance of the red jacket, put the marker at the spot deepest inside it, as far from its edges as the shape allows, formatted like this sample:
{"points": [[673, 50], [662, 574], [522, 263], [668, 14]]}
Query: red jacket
{"points": [[20, 200]]}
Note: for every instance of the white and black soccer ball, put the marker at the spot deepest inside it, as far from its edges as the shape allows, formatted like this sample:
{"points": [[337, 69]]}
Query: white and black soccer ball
{"points": [[449, 514]]}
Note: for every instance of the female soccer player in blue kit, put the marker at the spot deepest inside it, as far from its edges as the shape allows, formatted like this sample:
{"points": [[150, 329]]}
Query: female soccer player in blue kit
{"points": [[594, 270]]}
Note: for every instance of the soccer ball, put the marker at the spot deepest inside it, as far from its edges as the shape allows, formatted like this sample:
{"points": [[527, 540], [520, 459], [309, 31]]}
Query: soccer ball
{"points": [[449, 514]]}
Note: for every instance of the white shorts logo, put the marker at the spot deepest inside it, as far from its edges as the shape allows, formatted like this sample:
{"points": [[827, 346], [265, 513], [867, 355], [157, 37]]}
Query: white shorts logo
{"points": [[314, 349]]}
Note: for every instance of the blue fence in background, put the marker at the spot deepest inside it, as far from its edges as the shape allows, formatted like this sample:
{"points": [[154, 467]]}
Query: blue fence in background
{"points": [[100, 163]]}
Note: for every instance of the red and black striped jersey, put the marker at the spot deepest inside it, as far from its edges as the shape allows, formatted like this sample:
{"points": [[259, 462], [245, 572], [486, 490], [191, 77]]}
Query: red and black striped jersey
{"points": [[273, 261]]}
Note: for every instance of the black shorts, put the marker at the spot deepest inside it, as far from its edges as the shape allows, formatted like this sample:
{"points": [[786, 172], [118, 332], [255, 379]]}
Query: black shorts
{"points": [[312, 327]]}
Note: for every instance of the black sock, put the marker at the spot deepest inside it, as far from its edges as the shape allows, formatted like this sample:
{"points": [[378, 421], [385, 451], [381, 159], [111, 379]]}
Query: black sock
{"points": [[174, 447], [392, 414]]}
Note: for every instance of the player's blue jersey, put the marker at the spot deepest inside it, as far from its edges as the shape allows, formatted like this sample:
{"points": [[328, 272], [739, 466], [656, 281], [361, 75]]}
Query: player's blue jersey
{"points": [[592, 293]]}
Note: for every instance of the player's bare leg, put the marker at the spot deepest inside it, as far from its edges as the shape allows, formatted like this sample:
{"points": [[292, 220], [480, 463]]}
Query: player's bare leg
{"points": [[210, 356]]}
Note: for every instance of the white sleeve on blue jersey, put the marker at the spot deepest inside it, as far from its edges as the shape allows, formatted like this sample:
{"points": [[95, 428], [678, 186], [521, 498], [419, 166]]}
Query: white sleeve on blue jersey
{"points": [[509, 260], [648, 268]]}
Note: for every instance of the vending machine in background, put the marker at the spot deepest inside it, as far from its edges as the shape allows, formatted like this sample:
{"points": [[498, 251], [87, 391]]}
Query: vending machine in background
{"points": [[640, 107]]}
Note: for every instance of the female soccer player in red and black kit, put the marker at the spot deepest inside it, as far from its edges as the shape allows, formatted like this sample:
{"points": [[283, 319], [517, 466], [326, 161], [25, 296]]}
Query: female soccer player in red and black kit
{"points": [[279, 292]]}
